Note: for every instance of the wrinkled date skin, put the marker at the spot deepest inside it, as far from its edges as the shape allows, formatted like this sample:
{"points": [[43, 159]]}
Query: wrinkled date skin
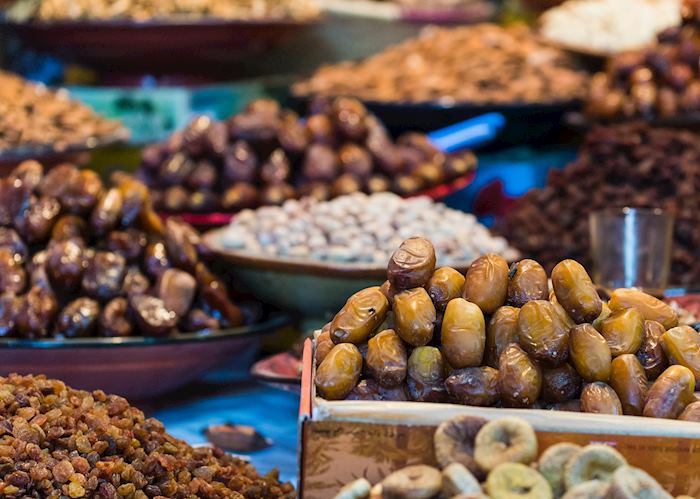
{"points": [[129, 243], [35, 223], [78, 319], [445, 285], [426, 375], [463, 334], [215, 297], [13, 278], [542, 334], [629, 381], [502, 331], [339, 372], [560, 384], [181, 251], [135, 283], [576, 292], [682, 346], [623, 331], [651, 353], [177, 290], [36, 312], [151, 315], [412, 265], [114, 320], [69, 227], [691, 413], [324, 344], [476, 386], [104, 276], [387, 359], [671, 393], [156, 259], [590, 353], [65, 264], [519, 378], [107, 213], [651, 308], [360, 316], [415, 316], [600, 398], [527, 281], [486, 283]]}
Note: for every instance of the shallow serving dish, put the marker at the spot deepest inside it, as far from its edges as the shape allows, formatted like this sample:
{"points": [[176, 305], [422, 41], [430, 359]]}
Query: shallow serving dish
{"points": [[311, 288], [135, 367]]}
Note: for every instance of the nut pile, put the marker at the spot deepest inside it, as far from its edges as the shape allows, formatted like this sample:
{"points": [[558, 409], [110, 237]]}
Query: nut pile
{"points": [[498, 337], [32, 116], [266, 155], [361, 228], [624, 165], [58, 442], [609, 26], [78, 259], [145, 10], [503, 455], [661, 81], [479, 64]]}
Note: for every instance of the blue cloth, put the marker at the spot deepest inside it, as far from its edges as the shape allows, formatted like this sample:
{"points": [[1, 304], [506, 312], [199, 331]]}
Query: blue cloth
{"points": [[272, 412]]}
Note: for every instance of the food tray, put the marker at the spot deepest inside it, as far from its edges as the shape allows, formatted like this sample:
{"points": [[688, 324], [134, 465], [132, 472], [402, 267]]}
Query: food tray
{"points": [[341, 441], [178, 45], [135, 367], [219, 219]]}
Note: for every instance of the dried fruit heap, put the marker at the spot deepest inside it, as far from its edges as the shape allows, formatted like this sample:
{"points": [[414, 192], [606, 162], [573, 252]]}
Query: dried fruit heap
{"points": [[266, 155], [78, 258], [497, 337], [624, 165], [58, 442], [32, 116]]}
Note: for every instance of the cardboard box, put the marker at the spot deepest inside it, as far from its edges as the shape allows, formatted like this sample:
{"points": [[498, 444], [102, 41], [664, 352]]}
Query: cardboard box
{"points": [[345, 440]]}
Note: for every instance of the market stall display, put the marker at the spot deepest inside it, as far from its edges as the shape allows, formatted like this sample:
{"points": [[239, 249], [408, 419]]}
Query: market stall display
{"points": [[83, 259], [660, 82], [610, 26], [267, 155], [566, 351], [163, 10], [621, 165], [501, 458], [483, 64], [113, 450], [37, 121]]}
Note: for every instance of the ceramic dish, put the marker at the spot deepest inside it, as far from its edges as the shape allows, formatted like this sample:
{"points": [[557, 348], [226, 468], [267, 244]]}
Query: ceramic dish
{"points": [[313, 289], [134, 367]]}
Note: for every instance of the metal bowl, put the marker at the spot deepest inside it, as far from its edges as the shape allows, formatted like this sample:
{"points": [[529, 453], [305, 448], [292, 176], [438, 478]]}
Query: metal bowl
{"points": [[313, 289], [135, 367]]}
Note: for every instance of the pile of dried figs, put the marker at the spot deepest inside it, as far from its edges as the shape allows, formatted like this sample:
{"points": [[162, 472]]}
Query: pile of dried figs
{"points": [[267, 155], [499, 337], [498, 459], [66, 443], [79, 258]]}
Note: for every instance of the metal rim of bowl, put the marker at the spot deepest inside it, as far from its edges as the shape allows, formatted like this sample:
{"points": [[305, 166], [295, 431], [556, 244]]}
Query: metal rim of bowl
{"points": [[274, 321]]}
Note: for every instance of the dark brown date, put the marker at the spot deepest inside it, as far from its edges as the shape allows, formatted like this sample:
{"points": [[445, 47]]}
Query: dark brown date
{"points": [[651, 353], [412, 265], [600, 398], [560, 384], [104, 276], [78, 319], [151, 315], [476, 386]]}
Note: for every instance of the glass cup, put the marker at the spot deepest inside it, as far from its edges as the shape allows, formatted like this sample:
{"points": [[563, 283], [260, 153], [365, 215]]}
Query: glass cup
{"points": [[631, 247]]}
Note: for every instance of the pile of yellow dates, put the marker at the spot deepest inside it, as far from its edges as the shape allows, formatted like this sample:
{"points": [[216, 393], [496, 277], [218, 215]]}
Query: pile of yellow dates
{"points": [[499, 337]]}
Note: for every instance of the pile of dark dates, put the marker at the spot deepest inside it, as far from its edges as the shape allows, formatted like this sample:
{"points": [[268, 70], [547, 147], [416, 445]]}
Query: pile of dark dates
{"points": [[624, 165], [498, 337], [661, 81], [267, 155], [80, 259]]}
